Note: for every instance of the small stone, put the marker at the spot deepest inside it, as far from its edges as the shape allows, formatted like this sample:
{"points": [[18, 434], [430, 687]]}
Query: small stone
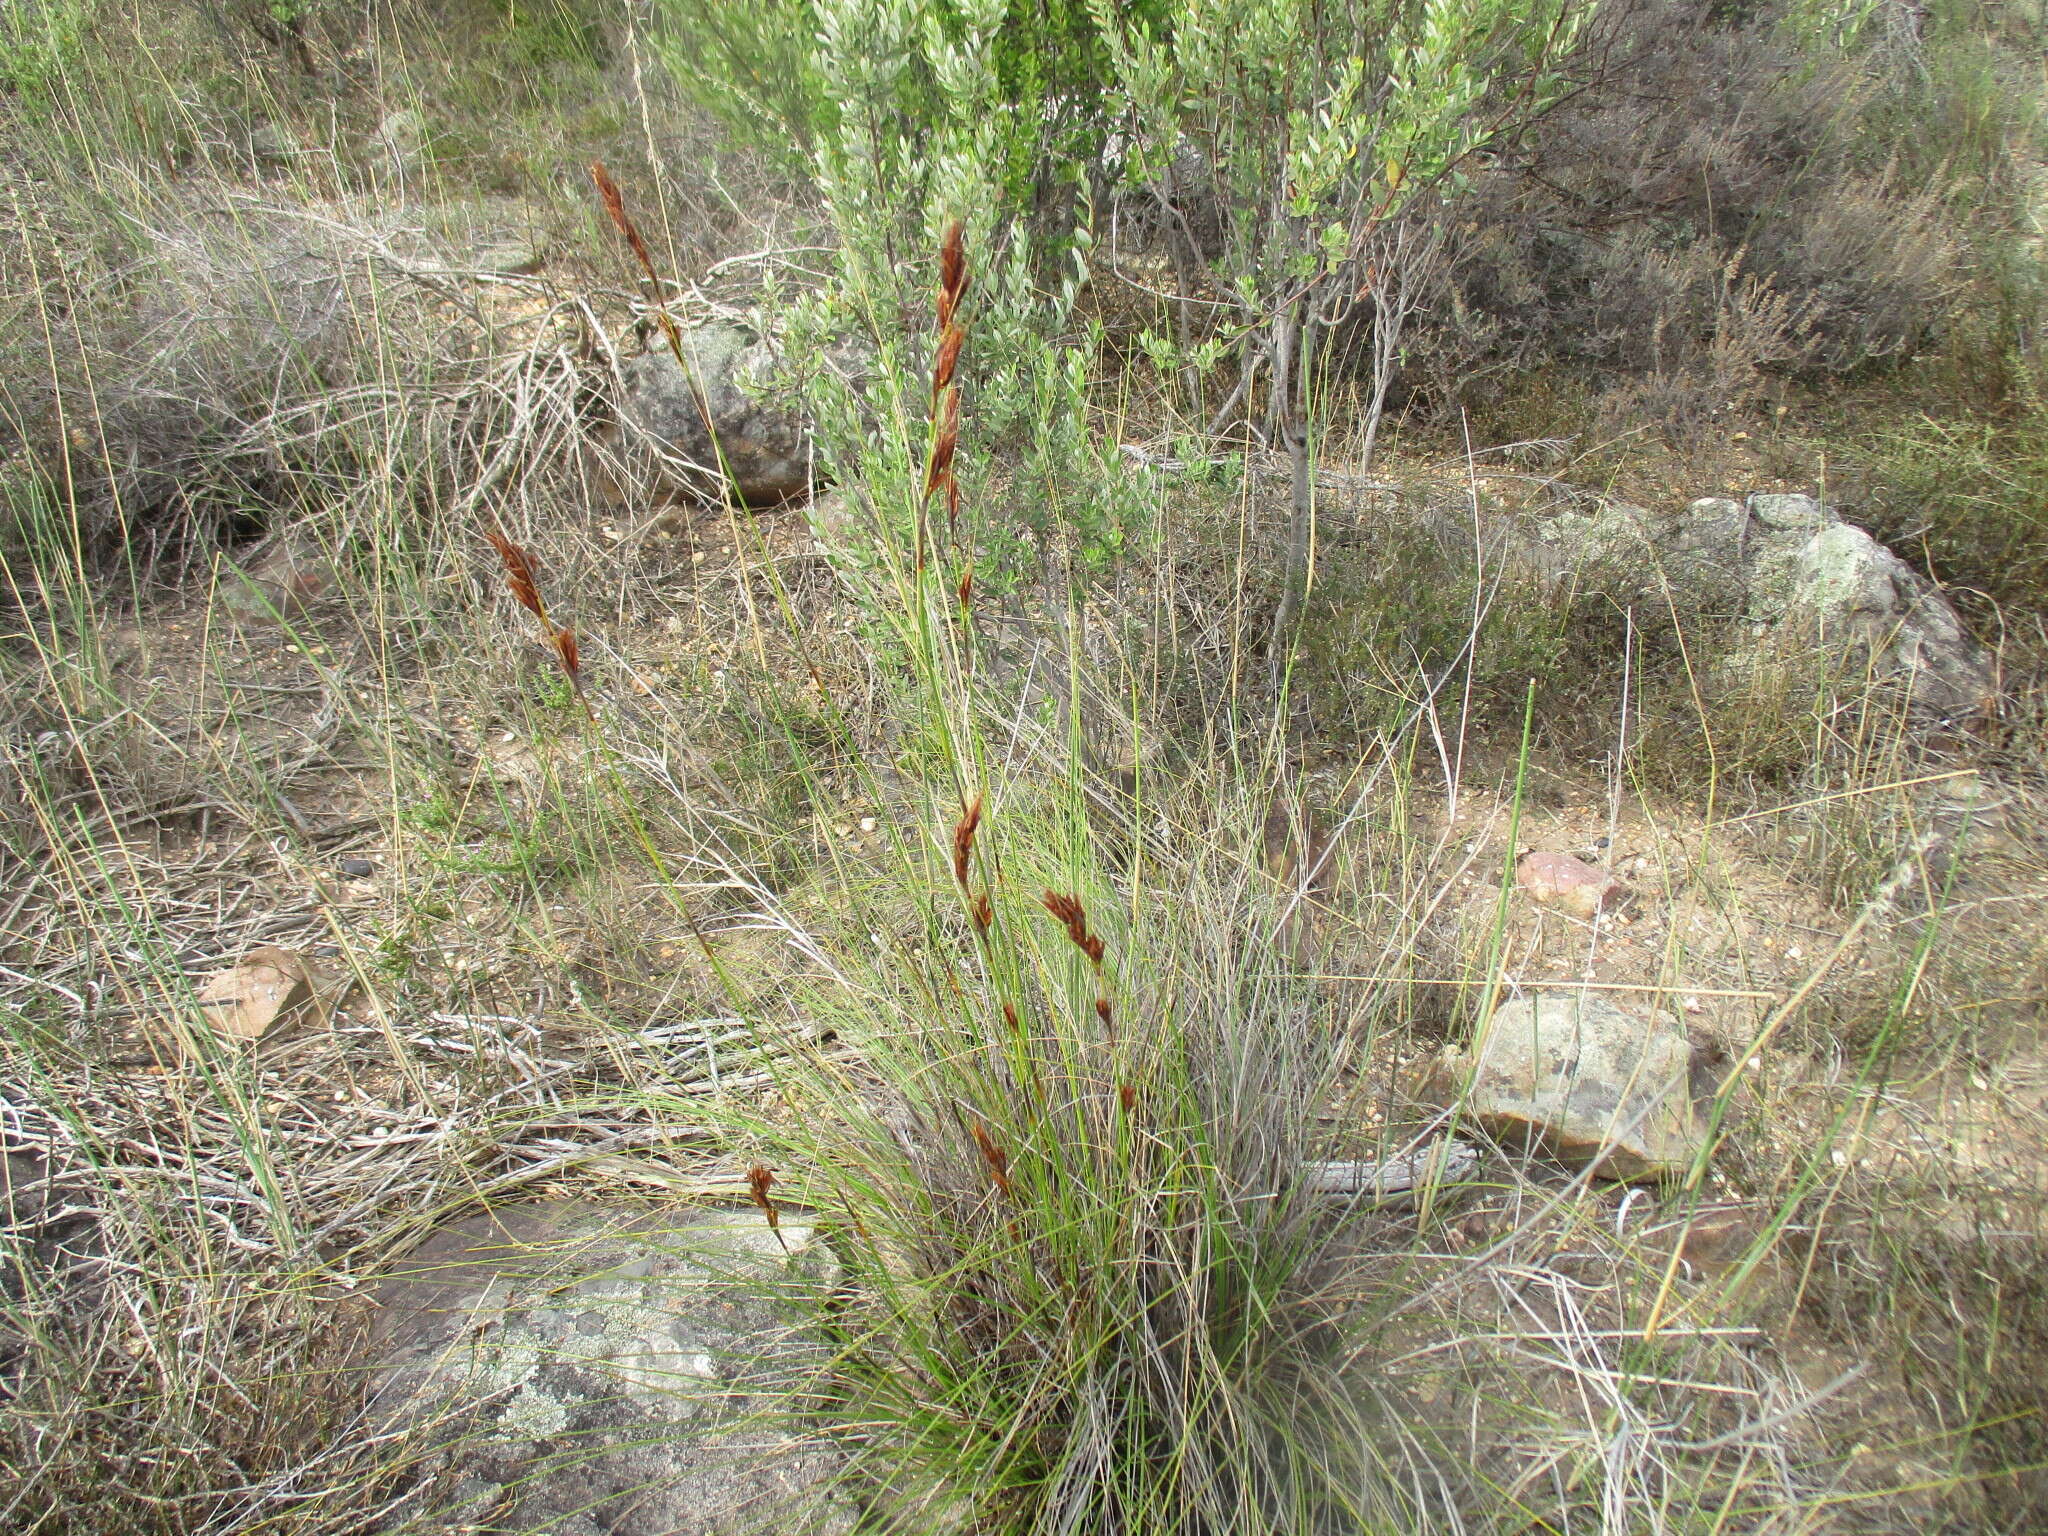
{"points": [[269, 988], [867, 823], [1569, 884], [1591, 1084], [355, 869]]}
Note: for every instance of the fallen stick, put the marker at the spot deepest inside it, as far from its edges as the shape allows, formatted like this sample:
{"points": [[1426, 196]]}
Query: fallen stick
{"points": [[1394, 1178]]}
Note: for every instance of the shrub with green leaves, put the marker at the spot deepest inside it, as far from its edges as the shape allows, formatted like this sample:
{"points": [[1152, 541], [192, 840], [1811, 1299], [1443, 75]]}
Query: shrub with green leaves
{"points": [[39, 39]]}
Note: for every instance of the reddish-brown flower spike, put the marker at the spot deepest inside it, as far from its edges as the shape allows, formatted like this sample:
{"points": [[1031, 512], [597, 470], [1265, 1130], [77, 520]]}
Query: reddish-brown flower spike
{"points": [[1127, 1096], [1010, 1017], [983, 913], [615, 206], [520, 575], [759, 1177], [997, 1159], [966, 588], [952, 272], [570, 657], [963, 839], [945, 439], [1102, 1011], [948, 357], [1068, 910], [614, 201]]}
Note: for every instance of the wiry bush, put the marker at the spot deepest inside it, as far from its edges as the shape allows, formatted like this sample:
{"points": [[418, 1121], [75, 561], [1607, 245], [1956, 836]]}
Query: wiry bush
{"points": [[1700, 219], [230, 359]]}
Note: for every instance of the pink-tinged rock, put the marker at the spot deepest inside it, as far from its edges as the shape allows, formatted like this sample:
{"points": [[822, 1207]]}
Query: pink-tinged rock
{"points": [[1569, 884]]}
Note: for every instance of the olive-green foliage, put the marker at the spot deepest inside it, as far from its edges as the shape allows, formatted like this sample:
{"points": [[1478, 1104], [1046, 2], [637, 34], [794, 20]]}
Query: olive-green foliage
{"points": [[38, 41], [768, 71]]}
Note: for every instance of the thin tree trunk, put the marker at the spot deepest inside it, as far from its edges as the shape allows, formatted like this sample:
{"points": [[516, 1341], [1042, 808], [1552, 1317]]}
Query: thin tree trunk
{"points": [[1290, 388]]}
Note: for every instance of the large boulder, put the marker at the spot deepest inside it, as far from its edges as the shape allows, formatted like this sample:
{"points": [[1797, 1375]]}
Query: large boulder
{"points": [[1593, 1085], [1689, 560], [1785, 578], [589, 1372], [1850, 597], [712, 417]]}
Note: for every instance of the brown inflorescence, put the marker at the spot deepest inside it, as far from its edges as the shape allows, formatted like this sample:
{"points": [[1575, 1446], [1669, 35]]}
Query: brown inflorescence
{"points": [[522, 577], [1068, 910], [571, 658], [953, 277], [939, 479], [963, 839], [997, 1159], [759, 1177], [948, 357], [945, 440], [615, 206]]}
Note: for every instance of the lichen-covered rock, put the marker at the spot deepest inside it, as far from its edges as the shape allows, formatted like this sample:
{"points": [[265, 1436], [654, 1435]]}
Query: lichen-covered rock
{"points": [[1586, 1082], [1850, 594], [1688, 560], [710, 420], [1778, 512], [597, 1373], [1788, 581]]}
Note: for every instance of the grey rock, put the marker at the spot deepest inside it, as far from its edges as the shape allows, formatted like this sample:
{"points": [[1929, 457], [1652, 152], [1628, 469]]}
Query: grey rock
{"points": [[1689, 560], [1853, 597], [592, 1372], [1794, 584], [509, 257], [1790, 514], [1588, 1083], [279, 586], [713, 420], [271, 145], [489, 235]]}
